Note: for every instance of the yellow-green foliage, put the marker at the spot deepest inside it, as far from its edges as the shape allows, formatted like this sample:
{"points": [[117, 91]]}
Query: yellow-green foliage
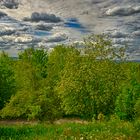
{"points": [[93, 82]]}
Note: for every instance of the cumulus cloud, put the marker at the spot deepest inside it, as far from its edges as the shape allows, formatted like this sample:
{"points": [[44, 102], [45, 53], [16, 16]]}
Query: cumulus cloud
{"points": [[136, 33], [2, 14], [36, 17], [123, 11], [44, 27], [58, 37], [6, 31], [23, 39], [15, 41], [23, 28], [11, 4]]}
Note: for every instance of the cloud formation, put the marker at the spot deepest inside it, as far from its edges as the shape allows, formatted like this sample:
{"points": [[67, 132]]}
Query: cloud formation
{"points": [[58, 37], [44, 27], [2, 14], [36, 17], [11, 4], [123, 11], [6, 31]]}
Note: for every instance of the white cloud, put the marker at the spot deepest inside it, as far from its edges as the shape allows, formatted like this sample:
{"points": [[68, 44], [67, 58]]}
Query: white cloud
{"points": [[123, 10]]}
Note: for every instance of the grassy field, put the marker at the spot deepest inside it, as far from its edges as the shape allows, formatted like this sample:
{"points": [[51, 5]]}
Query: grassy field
{"points": [[112, 130]]}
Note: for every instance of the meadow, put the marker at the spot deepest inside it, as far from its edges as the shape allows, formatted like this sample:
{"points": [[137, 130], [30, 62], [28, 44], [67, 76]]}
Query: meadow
{"points": [[111, 130]]}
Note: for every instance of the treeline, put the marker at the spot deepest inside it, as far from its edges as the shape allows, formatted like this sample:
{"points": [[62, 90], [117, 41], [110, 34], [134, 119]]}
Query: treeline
{"points": [[91, 82]]}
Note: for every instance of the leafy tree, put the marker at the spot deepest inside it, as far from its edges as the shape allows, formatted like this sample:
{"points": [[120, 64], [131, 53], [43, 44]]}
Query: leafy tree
{"points": [[91, 82], [37, 58], [7, 80], [33, 100], [38, 105], [100, 47], [128, 100], [49, 104], [56, 63], [26, 82]]}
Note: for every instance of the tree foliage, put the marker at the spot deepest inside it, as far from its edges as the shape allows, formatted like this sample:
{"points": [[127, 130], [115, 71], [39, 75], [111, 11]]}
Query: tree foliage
{"points": [[128, 100], [7, 80], [92, 82], [32, 100]]}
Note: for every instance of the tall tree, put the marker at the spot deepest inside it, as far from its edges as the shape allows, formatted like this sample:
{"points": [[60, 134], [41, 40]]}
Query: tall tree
{"points": [[91, 82]]}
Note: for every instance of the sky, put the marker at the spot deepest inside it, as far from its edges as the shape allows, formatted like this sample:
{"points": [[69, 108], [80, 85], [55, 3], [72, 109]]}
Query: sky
{"points": [[118, 18]]}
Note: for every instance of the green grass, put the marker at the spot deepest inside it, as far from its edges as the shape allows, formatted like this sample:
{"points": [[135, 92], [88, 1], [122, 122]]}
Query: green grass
{"points": [[112, 130]]}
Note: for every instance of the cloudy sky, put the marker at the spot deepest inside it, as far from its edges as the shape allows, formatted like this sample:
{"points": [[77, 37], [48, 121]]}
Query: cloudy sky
{"points": [[65, 21]]}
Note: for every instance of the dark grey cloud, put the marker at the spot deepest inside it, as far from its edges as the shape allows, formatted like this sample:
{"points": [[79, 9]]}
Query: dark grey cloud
{"points": [[36, 17], [2, 14], [11, 4], [44, 27]]}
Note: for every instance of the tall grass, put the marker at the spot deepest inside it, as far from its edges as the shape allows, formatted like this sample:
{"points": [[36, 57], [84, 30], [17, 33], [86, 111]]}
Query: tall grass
{"points": [[112, 130]]}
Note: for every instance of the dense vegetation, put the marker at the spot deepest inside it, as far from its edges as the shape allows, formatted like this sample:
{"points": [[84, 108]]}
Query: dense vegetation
{"points": [[93, 82]]}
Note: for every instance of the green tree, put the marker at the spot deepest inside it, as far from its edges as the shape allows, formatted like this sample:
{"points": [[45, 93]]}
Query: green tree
{"points": [[57, 60], [27, 83], [33, 99], [91, 82], [7, 80], [128, 100], [37, 58]]}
